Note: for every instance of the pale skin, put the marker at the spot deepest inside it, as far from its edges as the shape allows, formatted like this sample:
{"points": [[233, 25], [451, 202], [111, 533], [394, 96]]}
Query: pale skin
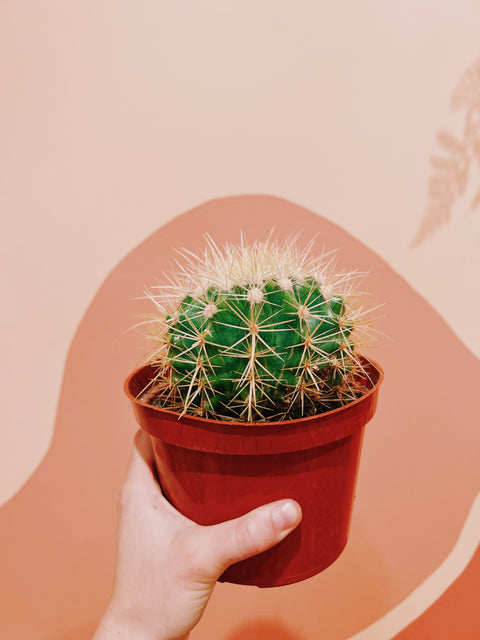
{"points": [[167, 565]]}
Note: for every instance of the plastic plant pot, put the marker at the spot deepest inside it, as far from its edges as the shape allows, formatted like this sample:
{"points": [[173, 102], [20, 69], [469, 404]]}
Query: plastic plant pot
{"points": [[212, 470]]}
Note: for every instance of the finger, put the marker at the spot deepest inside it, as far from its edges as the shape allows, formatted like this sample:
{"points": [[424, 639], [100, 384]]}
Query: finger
{"points": [[236, 540], [141, 470]]}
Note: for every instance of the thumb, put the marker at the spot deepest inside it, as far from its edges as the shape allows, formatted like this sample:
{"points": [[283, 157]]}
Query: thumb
{"points": [[235, 540]]}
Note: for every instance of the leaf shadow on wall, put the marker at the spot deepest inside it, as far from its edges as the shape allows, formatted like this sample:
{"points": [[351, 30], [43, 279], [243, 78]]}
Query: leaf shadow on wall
{"points": [[456, 159], [262, 630]]}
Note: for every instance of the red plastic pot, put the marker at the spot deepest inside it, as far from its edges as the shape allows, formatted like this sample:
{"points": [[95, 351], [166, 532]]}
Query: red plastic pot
{"points": [[213, 471]]}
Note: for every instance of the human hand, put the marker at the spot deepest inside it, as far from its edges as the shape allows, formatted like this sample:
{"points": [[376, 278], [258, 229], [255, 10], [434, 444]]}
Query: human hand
{"points": [[167, 565]]}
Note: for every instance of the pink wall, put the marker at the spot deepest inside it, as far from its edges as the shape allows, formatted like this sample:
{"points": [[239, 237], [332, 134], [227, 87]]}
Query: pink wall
{"points": [[116, 119]]}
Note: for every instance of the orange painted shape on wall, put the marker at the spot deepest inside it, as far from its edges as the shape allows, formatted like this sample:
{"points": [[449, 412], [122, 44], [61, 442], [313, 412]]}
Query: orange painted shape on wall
{"points": [[456, 614]]}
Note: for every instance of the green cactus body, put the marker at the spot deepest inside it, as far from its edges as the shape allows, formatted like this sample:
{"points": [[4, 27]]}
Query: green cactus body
{"points": [[265, 346]]}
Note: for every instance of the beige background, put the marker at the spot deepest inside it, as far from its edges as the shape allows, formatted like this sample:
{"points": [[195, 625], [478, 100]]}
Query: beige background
{"points": [[118, 116]]}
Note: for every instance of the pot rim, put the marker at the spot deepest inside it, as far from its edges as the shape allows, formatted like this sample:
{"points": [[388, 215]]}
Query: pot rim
{"points": [[255, 438], [378, 376]]}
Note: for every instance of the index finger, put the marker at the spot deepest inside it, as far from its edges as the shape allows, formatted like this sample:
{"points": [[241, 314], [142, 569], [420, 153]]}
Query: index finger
{"points": [[141, 469]]}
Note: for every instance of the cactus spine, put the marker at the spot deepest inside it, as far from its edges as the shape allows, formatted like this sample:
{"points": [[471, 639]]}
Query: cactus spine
{"points": [[255, 332]]}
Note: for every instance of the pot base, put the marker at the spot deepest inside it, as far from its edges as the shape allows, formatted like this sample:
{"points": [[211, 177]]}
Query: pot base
{"points": [[232, 576]]}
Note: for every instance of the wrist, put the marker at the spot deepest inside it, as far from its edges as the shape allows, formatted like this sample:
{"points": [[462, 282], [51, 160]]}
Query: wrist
{"points": [[122, 626]]}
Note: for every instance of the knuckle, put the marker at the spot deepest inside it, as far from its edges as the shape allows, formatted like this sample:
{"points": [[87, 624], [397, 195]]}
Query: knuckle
{"points": [[125, 498], [247, 537]]}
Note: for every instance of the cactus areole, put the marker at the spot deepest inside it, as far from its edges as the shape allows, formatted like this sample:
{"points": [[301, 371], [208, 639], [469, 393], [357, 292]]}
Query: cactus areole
{"points": [[255, 391], [256, 333]]}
